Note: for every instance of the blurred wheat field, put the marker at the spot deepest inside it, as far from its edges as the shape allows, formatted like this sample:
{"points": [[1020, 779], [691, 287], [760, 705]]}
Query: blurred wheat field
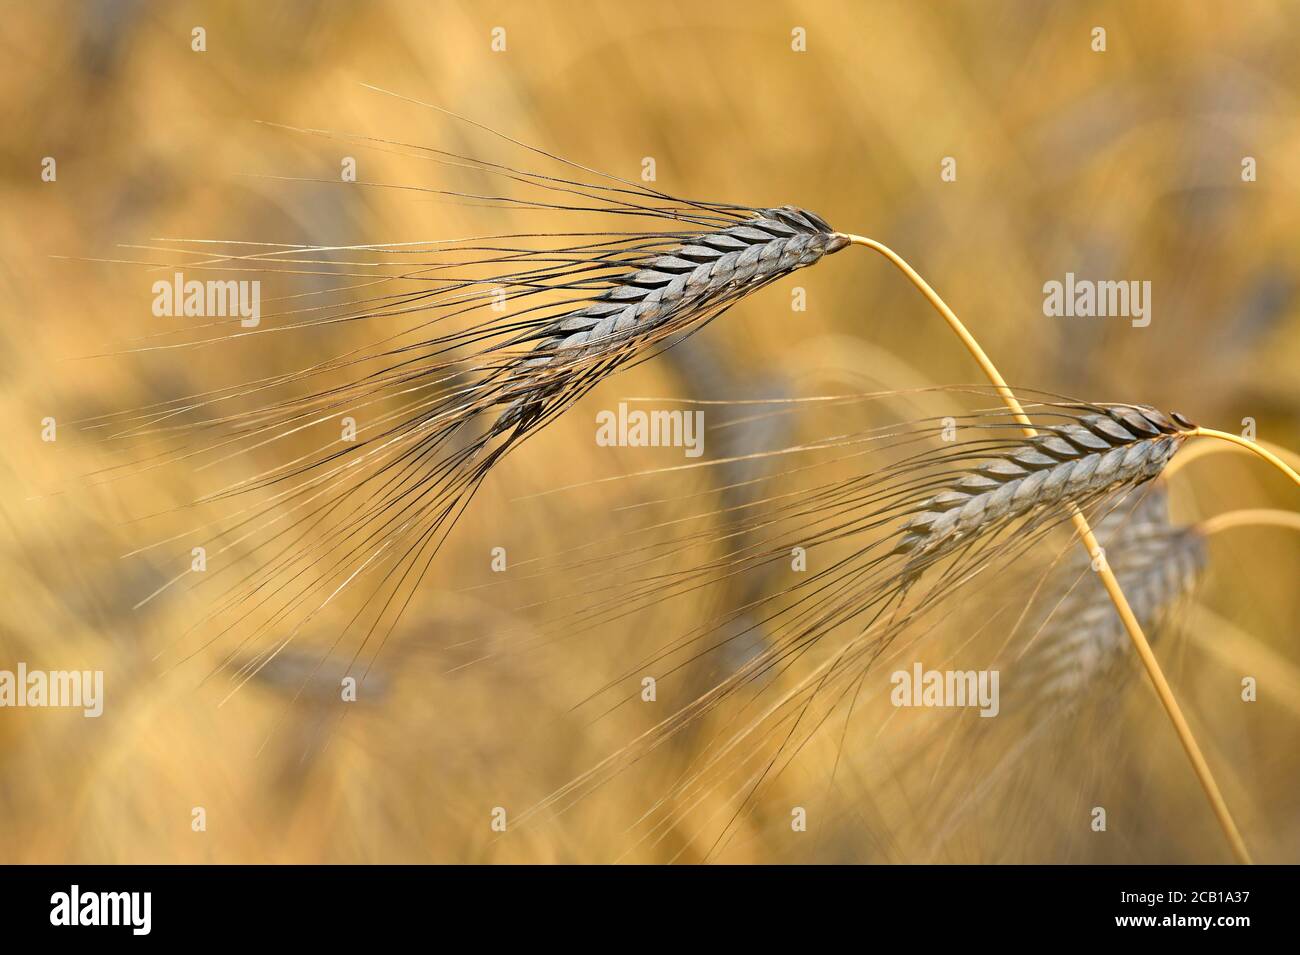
{"points": [[1123, 164]]}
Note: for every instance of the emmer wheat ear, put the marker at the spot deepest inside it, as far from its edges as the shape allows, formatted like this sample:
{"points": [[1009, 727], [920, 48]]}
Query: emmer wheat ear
{"points": [[440, 410], [664, 293], [1125, 445]]}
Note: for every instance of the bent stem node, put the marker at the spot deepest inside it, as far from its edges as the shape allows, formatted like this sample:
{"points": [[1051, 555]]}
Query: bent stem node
{"points": [[1126, 615]]}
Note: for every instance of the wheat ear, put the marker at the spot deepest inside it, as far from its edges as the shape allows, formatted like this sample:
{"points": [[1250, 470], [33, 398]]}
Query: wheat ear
{"points": [[1089, 539], [1158, 562], [664, 293], [1122, 447]]}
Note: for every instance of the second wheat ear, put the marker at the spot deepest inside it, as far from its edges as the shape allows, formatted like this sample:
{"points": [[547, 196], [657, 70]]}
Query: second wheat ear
{"points": [[1089, 540]]}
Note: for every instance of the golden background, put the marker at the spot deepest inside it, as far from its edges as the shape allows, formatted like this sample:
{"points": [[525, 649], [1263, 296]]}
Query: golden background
{"points": [[1124, 164]]}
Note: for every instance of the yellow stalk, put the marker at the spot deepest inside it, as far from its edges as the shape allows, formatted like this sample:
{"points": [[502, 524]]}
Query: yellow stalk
{"points": [[1249, 517], [1201, 448], [1252, 446]]}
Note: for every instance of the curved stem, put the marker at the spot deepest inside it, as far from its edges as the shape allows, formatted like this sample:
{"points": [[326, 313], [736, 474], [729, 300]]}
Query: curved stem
{"points": [[1201, 448], [986, 364], [1250, 517], [1113, 589], [1252, 446]]}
